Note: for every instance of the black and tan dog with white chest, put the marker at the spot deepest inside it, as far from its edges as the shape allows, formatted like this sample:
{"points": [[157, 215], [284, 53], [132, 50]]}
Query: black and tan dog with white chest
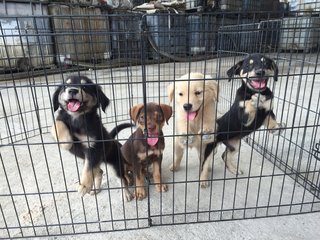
{"points": [[141, 151], [252, 107], [78, 128]]}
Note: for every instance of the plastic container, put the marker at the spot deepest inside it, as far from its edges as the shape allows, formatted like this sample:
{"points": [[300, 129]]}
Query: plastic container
{"points": [[126, 36], [201, 34], [81, 34], [167, 34], [26, 41], [299, 33]]}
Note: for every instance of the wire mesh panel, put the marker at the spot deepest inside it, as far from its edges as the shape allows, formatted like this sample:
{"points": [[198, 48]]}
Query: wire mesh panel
{"points": [[280, 173]]}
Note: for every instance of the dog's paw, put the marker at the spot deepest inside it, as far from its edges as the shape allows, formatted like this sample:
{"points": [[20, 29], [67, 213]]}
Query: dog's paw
{"points": [[83, 189], [257, 100], [95, 191], [234, 170], [174, 167], [186, 139], [128, 195], [204, 183], [162, 187], [278, 129], [140, 193], [129, 178], [66, 146]]}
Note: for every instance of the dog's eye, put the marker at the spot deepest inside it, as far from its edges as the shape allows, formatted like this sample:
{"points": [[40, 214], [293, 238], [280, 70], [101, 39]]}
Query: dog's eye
{"points": [[141, 117], [197, 93], [181, 94]]}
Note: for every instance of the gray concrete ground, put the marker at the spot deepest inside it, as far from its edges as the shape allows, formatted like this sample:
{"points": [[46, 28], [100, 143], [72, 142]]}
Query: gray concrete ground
{"points": [[301, 227]]}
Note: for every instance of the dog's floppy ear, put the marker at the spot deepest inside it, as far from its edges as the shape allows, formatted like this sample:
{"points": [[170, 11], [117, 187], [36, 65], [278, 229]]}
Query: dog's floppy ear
{"points": [[275, 69], [170, 91], [102, 99], [213, 88], [167, 111], [235, 70], [135, 110], [55, 98]]}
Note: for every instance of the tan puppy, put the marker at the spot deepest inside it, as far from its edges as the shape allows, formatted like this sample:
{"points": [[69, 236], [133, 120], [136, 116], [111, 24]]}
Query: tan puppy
{"points": [[195, 96]]}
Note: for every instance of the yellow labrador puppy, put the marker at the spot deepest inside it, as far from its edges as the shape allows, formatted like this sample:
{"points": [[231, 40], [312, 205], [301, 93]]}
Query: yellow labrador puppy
{"points": [[195, 97]]}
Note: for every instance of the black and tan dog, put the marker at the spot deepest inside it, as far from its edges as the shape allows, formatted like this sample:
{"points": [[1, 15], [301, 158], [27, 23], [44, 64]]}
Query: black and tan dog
{"points": [[140, 152], [251, 108], [79, 129]]}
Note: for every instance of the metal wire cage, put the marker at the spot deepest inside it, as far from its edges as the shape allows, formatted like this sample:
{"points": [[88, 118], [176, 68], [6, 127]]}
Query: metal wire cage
{"points": [[134, 63]]}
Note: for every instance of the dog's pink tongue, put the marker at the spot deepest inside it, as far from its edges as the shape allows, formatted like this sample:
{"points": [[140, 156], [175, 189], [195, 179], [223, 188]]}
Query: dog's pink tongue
{"points": [[152, 139], [73, 105], [191, 115], [258, 83]]}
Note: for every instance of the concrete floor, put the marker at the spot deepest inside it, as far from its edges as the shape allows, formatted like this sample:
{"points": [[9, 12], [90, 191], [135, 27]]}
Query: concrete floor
{"points": [[297, 227]]}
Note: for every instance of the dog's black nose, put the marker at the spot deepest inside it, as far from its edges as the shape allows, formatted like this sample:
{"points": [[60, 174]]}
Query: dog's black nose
{"points": [[187, 106], [260, 72], [73, 91]]}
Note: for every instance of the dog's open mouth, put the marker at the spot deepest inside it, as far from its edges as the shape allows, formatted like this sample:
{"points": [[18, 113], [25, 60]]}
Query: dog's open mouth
{"points": [[259, 83], [153, 137], [73, 105], [191, 115]]}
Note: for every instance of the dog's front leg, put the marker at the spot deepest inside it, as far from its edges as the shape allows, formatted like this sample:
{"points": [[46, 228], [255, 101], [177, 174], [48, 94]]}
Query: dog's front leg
{"points": [[140, 191], [61, 133], [208, 125], [89, 173], [232, 148], [179, 149], [125, 190], [97, 181], [183, 132], [204, 165], [157, 176], [271, 124], [247, 112]]}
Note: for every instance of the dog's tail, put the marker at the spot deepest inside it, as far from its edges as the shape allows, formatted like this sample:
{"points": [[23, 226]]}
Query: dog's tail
{"points": [[114, 132]]}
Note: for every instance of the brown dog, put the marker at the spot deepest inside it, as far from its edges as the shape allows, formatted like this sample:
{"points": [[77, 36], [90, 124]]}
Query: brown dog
{"points": [[139, 151]]}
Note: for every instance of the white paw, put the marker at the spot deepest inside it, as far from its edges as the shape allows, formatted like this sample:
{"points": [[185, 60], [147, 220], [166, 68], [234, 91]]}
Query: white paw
{"points": [[174, 167], [204, 184], [128, 195], [66, 146], [257, 100], [83, 189], [234, 170], [95, 191], [279, 129]]}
